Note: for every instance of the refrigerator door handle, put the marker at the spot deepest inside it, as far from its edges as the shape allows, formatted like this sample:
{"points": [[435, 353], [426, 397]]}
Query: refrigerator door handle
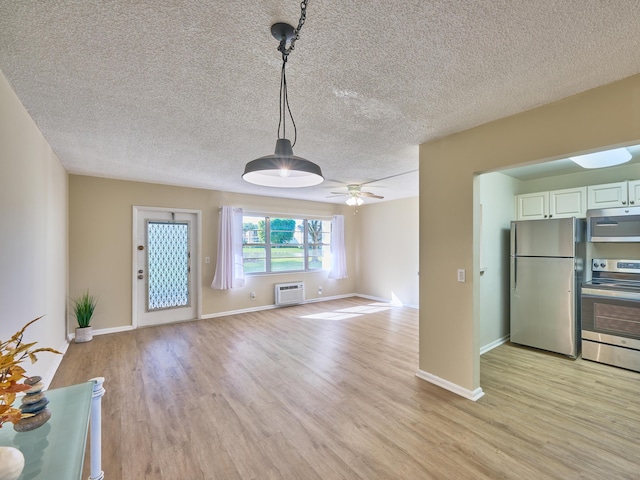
{"points": [[514, 272]]}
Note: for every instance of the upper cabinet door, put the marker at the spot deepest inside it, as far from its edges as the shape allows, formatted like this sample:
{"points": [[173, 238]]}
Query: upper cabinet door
{"points": [[607, 195], [570, 202], [532, 206], [634, 192]]}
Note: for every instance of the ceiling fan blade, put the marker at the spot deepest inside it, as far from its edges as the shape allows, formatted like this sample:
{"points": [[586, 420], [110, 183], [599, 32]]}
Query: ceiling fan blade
{"points": [[370, 195], [390, 176], [340, 193]]}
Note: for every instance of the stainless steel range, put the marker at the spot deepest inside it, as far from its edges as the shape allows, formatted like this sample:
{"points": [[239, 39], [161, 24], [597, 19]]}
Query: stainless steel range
{"points": [[611, 313]]}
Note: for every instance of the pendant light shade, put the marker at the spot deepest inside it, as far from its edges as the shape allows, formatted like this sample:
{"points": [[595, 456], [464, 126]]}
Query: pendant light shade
{"points": [[283, 169]]}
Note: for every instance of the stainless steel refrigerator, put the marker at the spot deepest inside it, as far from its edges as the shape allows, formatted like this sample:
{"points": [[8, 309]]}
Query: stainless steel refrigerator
{"points": [[547, 264]]}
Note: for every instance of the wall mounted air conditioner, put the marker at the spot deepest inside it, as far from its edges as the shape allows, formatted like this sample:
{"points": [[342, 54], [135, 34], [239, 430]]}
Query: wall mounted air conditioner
{"points": [[289, 293]]}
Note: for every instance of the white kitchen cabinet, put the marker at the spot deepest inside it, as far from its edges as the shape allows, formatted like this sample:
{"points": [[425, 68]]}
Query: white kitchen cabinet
{"points": [[532, 206], [569, 202], [634, 192], [618, 194]]}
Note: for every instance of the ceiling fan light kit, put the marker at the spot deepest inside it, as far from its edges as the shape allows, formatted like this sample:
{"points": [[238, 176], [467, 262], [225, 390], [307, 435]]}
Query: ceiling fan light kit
{"points": [[283, 168], [354, 201]]}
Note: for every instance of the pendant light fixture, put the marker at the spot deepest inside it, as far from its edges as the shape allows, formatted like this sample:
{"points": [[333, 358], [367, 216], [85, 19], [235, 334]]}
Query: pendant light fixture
{"points": [[283, 168]]}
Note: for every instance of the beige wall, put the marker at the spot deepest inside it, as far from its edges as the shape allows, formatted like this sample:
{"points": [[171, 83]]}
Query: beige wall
{"points": [[33, 216], [100, 232], [449, 328], [387, 250]]}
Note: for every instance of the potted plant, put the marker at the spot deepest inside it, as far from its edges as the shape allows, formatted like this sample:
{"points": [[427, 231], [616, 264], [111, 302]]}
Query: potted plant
{"points": [[83, 308], [12, 353]]}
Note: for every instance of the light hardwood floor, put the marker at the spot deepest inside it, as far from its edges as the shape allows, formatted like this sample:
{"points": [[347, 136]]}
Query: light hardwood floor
{"points": [[280, 394]]}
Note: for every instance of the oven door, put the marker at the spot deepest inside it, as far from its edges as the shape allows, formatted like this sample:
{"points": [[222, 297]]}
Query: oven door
{"points": [[611, 316]]}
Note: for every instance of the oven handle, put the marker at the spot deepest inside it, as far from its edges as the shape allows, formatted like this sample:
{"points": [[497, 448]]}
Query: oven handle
{"points": [[622, 295]]}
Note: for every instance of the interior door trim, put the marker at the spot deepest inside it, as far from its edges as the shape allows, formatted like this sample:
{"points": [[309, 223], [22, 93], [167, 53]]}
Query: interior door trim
{"points": [[196, 262]]}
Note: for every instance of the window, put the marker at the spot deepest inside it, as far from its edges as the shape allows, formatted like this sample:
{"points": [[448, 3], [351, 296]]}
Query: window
{"points": [[276, 244]]}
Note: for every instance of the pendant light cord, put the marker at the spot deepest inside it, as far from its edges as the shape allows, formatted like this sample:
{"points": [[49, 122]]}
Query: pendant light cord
{"points": [[284, 97], [285, 107]]}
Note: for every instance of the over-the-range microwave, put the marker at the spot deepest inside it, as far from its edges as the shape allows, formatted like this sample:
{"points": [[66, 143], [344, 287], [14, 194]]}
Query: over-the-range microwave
{"points": [[614, 225]]}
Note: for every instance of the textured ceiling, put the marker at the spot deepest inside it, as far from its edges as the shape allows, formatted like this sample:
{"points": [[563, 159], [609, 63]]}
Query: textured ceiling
{"points": [[186, 92]]}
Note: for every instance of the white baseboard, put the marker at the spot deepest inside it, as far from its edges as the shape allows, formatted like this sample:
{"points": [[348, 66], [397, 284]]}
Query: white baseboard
{"points": [[386, 300], [333, 297], [104, 331], [270, 307], [373, 298], [235, 312], [452, 387], [494, 344]]}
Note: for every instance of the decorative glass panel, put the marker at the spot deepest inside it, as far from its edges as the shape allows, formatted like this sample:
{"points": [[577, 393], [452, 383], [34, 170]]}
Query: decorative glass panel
{"points": [[168, 265]]}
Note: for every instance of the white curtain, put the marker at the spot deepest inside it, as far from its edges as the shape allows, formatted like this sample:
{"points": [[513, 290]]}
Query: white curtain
{"points": [[229, 267], [338, 253]]}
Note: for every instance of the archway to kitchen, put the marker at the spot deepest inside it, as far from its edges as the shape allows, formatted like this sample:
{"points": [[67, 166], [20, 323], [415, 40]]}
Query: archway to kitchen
{"points": [[449, 168], [498, 197]]}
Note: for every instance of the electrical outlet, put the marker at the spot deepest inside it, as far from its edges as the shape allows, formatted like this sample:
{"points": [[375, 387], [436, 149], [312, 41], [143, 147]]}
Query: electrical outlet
{"points": [[207, 259], [319, 290], [461, 275], [252, 295]]}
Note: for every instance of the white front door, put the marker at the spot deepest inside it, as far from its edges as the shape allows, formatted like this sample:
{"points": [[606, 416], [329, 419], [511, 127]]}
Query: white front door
{"points": [[166, 282]]}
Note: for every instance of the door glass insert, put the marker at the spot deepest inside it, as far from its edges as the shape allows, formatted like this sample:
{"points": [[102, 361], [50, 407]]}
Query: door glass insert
{"points": [[167, 265]]}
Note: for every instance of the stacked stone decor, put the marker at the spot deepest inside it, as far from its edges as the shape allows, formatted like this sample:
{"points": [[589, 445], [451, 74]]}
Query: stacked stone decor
{"points": [[34, 403]]}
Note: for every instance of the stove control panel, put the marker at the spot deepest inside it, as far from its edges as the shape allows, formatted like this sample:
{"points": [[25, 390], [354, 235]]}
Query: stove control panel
{"points": [[615, 265]]}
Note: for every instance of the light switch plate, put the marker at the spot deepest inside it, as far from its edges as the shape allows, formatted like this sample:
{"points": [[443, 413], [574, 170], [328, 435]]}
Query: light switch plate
{"points": [[461, 275]]}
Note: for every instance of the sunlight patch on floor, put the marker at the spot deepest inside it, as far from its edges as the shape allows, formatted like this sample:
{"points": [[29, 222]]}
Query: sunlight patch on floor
{"points": [[337, 315], [352, 312], [363, 309]]}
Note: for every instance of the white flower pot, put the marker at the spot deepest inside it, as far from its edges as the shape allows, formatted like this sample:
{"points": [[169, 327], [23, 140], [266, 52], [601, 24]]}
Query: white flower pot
{"points": [[84, 334], [11, 463]]}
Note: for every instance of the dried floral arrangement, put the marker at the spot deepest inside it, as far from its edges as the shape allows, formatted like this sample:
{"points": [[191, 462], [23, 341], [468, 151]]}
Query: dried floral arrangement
{"points": [[12, 353]]}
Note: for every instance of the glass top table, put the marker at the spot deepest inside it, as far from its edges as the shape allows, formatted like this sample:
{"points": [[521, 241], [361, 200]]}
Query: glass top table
{"points": [[55, 449]]}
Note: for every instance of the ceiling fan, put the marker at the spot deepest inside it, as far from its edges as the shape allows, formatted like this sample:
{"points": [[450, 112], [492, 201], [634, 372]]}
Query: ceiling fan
{"points": [[355, 193]]}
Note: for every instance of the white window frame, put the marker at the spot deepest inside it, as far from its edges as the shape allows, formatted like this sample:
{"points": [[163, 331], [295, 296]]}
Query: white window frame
{"points": [[267, 245]]}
